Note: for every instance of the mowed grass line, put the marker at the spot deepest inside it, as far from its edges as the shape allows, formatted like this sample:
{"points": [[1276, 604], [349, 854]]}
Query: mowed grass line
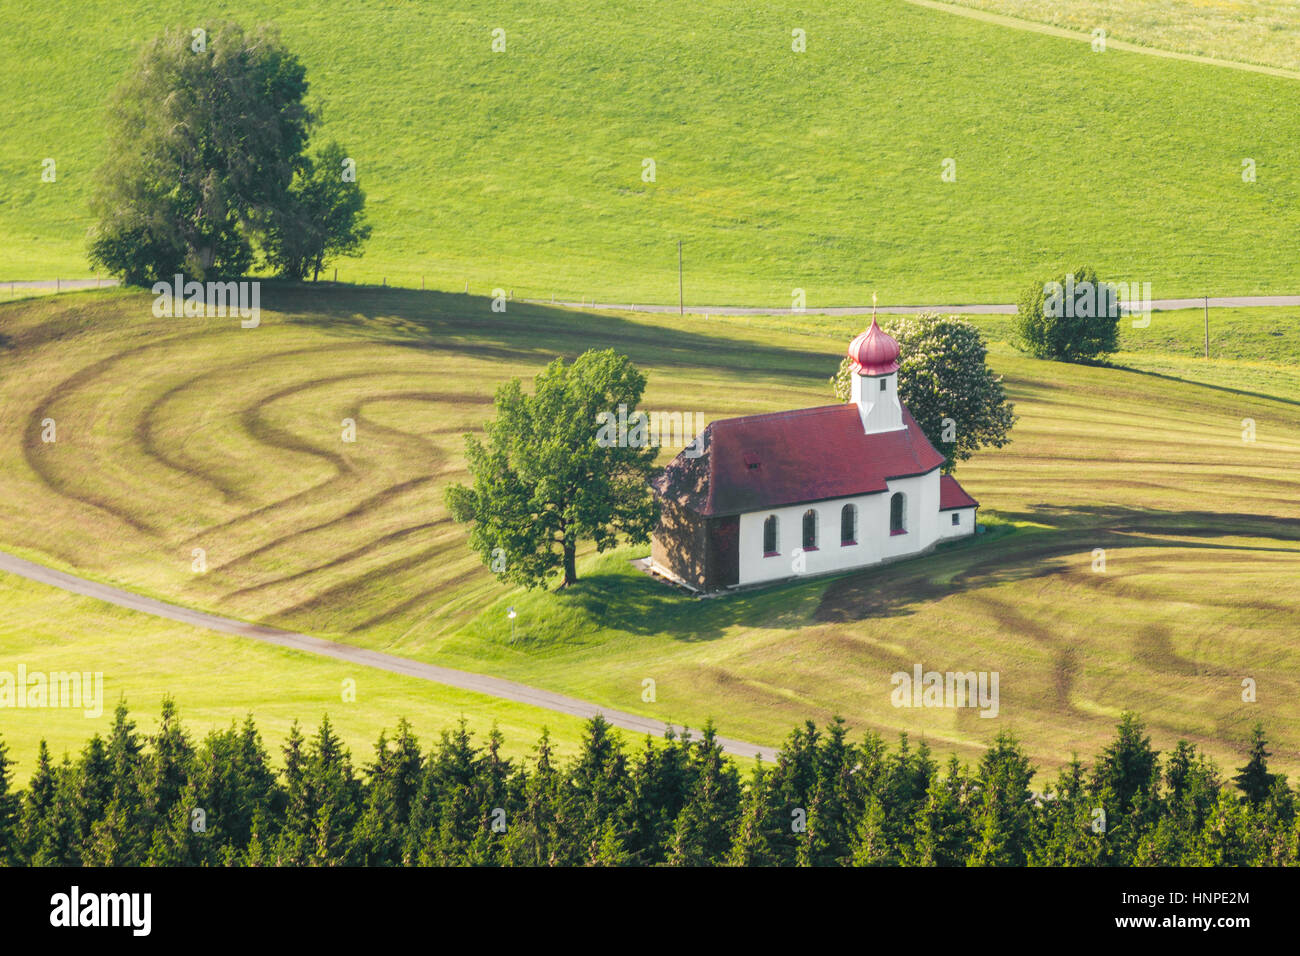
{"points": [[1171, 628], [177, 434], [210, 432], [1265, 32], [818, 171], [216, 679]]}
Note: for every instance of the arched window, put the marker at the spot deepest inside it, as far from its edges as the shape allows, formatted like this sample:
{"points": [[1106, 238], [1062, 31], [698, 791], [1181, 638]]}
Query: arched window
{"points": [[848, 525], [810, 530], [771, 546], [897, 512]]}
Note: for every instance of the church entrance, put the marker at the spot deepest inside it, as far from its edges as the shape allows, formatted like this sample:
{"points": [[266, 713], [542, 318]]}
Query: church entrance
{"points": [[724, 552]]}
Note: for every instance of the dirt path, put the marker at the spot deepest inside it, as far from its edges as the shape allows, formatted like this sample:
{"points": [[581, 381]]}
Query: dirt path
{"points": [[1111, 43]]}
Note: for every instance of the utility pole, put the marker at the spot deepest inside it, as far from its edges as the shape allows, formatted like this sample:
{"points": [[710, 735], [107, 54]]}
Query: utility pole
{"points": [[681, 302], [1207, 326]]}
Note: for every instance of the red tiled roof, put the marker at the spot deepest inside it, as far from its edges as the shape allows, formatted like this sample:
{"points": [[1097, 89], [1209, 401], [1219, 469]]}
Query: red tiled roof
{"points": [[952, 495], [787, 458]]}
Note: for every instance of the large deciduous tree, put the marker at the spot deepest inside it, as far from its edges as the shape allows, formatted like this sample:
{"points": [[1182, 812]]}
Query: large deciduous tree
{"points": [[544, 480], [325, 216], [1074, 318], [206, 165], [956, 399], [208, 132]]}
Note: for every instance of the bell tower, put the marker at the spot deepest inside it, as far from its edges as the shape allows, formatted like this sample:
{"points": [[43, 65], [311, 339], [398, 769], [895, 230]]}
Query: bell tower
{"points": [[874, 377]]}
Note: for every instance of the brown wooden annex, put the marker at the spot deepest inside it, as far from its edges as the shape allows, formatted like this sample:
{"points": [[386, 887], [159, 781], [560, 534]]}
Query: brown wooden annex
{"points": [[703, 552]]}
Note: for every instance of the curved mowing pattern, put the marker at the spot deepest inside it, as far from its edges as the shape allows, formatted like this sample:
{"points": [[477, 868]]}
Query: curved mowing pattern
{"points": [[176, 435], [206, 439]]}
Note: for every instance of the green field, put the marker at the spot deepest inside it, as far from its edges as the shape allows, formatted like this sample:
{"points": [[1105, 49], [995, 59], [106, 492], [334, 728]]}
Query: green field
{"points": [[1249, 31], [1251, 349], [779, 170], [194, 433], [217, 678]]}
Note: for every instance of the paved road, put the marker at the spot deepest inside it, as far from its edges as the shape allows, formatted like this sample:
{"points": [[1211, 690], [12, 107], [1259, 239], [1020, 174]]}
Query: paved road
{"points": [[478, 683], [1158, 305], [60, 284]]}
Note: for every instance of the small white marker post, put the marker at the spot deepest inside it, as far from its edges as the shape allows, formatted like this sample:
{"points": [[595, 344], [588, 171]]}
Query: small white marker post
{"points": [[510, 614]]}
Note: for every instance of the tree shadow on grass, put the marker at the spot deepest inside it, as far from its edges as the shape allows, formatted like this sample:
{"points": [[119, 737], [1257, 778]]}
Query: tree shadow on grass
{"points": [[896, 589], [1207, 524], [527, 333], [639, 604], [1218, 388]]}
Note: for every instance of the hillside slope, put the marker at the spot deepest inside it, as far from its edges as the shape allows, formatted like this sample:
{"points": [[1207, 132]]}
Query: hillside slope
{"points": [[180, 434], [818, 170]]}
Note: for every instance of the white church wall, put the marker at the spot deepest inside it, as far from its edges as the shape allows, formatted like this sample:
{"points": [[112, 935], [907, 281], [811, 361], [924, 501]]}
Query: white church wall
{"points": [[965, 522], [874, 542]]}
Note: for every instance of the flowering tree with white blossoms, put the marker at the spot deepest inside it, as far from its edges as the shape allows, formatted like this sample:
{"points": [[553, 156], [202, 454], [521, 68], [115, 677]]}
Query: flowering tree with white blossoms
{"points": [[956, 399]]}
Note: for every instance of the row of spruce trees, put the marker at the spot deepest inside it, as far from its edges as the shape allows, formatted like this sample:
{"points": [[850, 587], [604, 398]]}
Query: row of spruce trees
{"points": [[163, 799]]}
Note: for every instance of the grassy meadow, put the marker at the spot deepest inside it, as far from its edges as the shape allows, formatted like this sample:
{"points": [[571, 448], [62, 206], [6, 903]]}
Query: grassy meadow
{"points": [[1266, 32], [177, 434], [219, 678], [779, 170], [1252, 350]]}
